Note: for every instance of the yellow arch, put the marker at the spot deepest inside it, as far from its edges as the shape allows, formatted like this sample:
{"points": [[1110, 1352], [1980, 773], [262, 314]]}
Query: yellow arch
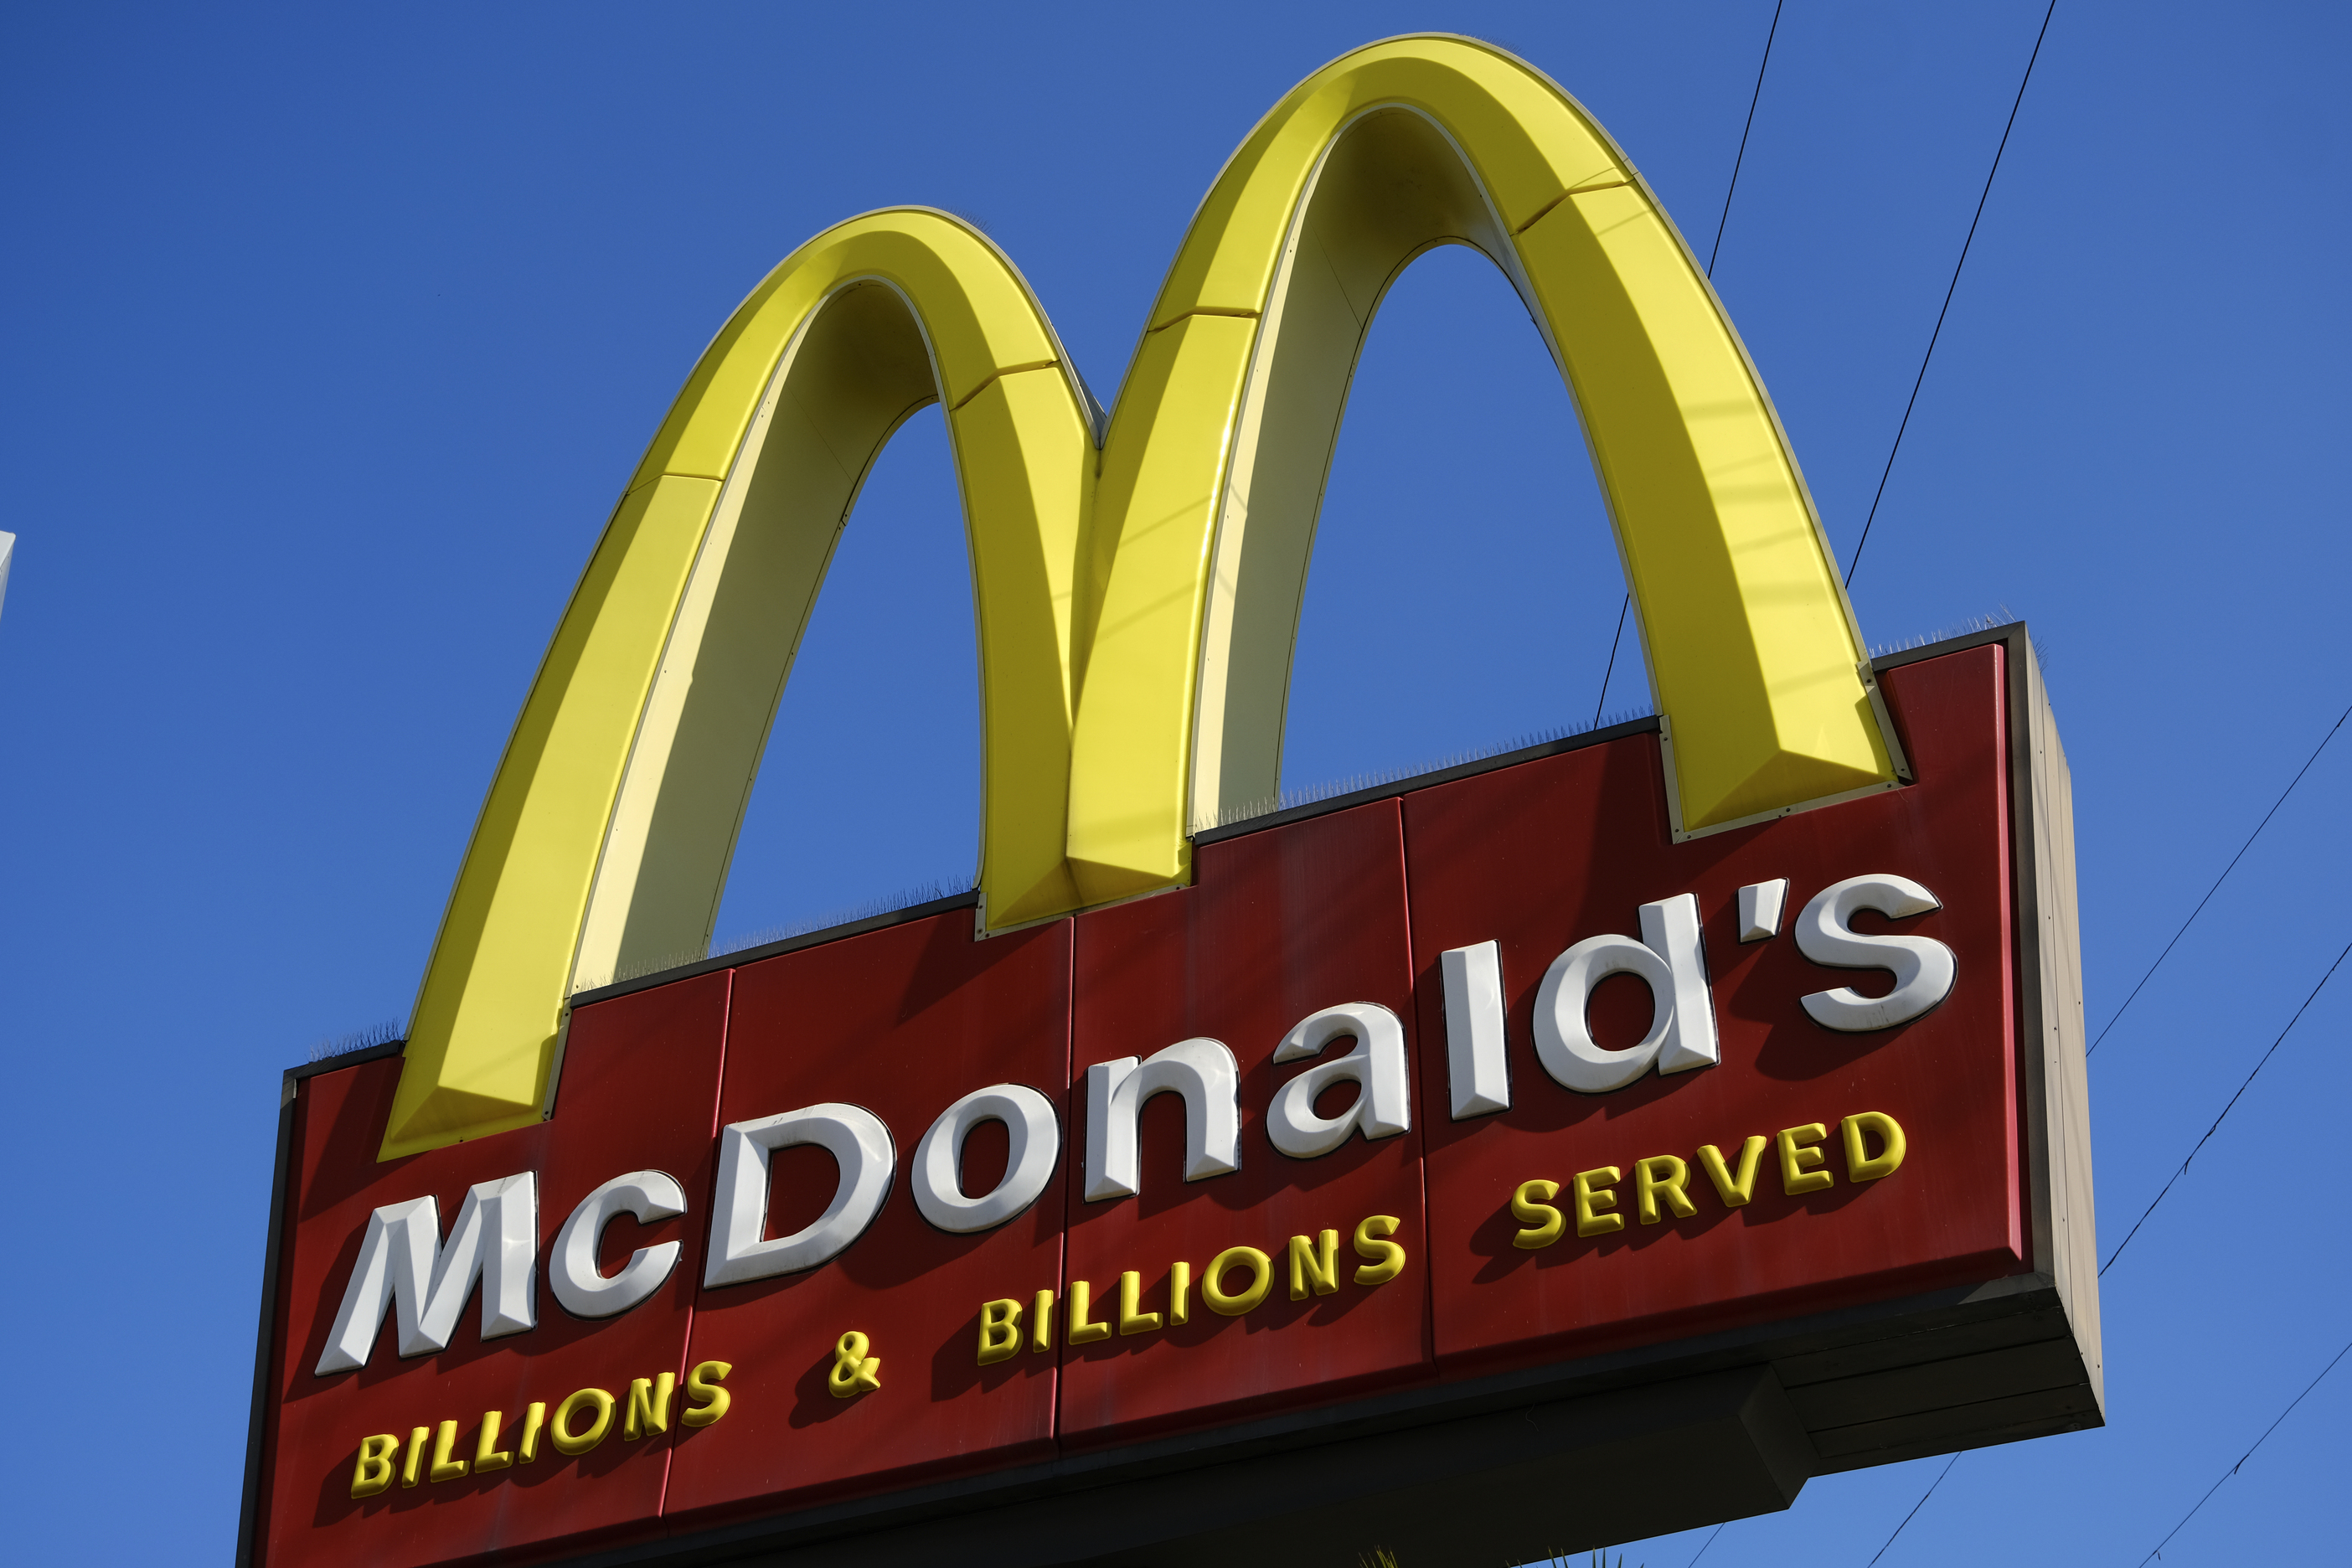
{"points": [[1135, 603], [604, 843], [1213, 469]]}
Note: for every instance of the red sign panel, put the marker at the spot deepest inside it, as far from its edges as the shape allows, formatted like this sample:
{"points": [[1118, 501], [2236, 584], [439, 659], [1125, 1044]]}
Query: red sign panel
{"points": [[1488, 1076], [1537, 857]]}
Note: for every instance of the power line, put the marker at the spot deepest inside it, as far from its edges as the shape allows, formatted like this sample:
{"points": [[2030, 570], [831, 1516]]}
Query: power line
{"points": [[1916, 1508], [1753, 98], [2224, 876], [1605, 675], [1708, 1542], [2283, 1034], [1729, 191], [2158, 1549], [1949, 292]]}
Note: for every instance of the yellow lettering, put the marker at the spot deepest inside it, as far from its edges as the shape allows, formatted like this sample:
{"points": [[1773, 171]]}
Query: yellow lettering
{"points": [[1593, 1197], [1661, 1173], [1180, 1294], [534, 1422], [1862, 1167], [446, 1465], [1041, 1324], [412, 1465], [373, 1473], [999, 1331], [648, 1405], [1531, 1206], [710, 1400], [487, 1455], [1132, 1318], [1213, 1280], [1733, 1190], [1799, 1156], [1314, 1265], [853, 1372], [1083, 1329], [1387, 1259], [560, 1429]]}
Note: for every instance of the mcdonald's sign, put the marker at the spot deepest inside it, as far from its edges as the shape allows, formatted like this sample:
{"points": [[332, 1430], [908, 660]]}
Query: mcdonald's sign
{"points": [[1594, 1140]]}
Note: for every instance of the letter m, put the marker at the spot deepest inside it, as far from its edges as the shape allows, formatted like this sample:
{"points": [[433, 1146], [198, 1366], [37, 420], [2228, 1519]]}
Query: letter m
{"points": [[405, 1265]]}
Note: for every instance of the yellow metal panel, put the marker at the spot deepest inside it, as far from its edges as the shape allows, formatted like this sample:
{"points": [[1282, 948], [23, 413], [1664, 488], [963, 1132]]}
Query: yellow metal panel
{"points": [[1025, 454], [1752, 650], [1135, 606], [1163, 468], [604, 844], [482, 1039]]}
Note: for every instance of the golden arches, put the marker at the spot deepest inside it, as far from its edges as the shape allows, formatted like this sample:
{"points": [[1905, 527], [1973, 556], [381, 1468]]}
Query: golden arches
{"points": [[604, 843], [1753, 653], [1136, 602]]}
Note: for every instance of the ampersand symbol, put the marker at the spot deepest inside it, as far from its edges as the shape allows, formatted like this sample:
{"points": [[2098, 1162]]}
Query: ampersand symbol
{"points": [[854, 1372]]}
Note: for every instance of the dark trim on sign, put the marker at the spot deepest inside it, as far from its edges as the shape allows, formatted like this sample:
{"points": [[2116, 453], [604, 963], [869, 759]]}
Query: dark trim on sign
{"points": [[1645, 726], [996, 1514], [348, 1060], [883, 921], [249, 1516], [2006, 1328]]}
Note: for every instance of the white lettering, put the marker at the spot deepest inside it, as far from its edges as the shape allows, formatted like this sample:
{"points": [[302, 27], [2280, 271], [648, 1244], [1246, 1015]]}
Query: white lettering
{"points": [[1382, 1107], [1036, 1144], [1923, 968], [1670, 959], [1204, 1072], [405, 1266], [584, 1291], [1477, 1069], [859, 1143]]}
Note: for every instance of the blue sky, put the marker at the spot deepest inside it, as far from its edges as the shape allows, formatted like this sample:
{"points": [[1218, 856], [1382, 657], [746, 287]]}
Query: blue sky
{"points": [[331, 334]]}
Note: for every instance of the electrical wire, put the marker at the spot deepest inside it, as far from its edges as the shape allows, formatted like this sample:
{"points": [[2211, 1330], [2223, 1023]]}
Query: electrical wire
{"points": [[1949, 292], [2224, 876], [1612, 670], [1753, 99], [1708, 1542], [1916, 1508], [2283, 1034], [1729, 191], [2157, 1550]]}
